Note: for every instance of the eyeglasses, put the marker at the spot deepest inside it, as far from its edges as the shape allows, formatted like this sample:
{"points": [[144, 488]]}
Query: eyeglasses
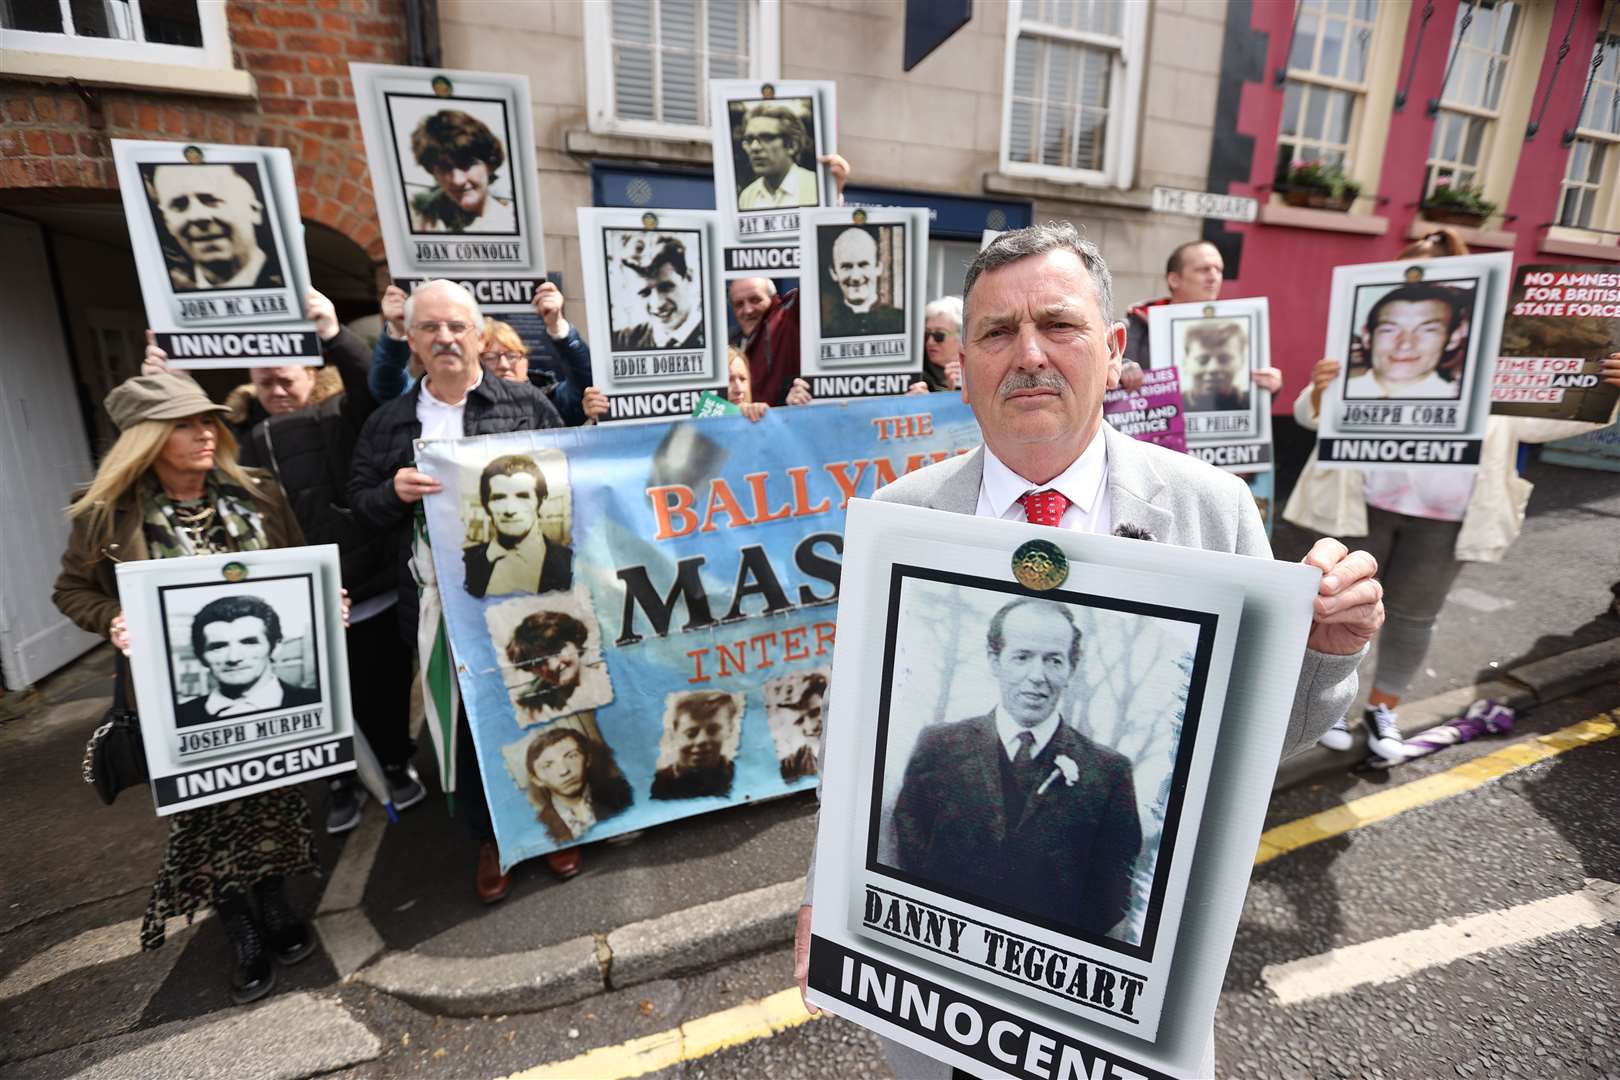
{"points": [[496, 359], [770, 136], [431, 329], [938, 336]]}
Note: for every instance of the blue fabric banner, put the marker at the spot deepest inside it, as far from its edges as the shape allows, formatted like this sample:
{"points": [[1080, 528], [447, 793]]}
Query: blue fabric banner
{"points": [[642, 616]]}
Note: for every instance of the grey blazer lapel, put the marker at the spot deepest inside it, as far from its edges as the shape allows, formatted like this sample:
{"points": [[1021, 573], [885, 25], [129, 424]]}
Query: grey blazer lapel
{"points": [[1136, 491], [958, 492]]}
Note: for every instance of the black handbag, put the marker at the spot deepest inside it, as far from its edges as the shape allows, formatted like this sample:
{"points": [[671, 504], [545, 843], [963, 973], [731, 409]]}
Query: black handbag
{"points": [[115, 758]]}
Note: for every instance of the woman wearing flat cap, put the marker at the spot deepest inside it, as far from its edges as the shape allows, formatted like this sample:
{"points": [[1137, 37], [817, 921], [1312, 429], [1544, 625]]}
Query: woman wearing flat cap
{"points": [[169, 487]]}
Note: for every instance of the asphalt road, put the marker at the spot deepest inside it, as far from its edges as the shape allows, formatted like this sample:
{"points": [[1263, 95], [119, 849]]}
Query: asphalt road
{"points": [[73, 991], [1546, 1008]]}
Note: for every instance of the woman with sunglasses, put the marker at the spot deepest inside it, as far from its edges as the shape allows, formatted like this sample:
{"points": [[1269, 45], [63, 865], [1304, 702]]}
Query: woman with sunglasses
{"points": [[942, 347]]}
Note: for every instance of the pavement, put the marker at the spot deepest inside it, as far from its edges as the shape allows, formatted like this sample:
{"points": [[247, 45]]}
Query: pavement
{"points": [[407, 946]]}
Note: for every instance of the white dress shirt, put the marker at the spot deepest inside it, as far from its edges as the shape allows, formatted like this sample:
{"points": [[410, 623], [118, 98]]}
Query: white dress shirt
{"points": [[1367, 387], [672, 339], [263, 694], [441, 420], [1008, 730], [1084, 483], [516, 569], [244, 278], [798, 189]]}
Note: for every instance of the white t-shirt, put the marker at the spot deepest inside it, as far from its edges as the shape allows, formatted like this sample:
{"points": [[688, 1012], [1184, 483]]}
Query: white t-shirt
{"points": [[440, 420], [1439, 494]]}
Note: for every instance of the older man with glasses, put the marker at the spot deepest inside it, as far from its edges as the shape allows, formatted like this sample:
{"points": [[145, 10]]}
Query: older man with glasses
{"points": [[454, 398], [562, 366]]}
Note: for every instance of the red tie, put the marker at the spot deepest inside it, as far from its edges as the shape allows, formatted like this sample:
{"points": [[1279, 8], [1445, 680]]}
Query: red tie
{"points": [[1044, 507]]}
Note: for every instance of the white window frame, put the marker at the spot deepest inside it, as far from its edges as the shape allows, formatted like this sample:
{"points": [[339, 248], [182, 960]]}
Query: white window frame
{"points": [[1490, 116], [1310, 81], [1124, 97], [1606, 199], [215, 51], [764, 61]]}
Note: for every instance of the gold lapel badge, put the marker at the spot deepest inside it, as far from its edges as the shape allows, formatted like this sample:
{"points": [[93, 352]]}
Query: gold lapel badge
{"points": [[1040, 565]]}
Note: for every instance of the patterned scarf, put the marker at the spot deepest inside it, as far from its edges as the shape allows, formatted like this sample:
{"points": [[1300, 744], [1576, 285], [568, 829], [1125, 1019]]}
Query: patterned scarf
{"points": [[237, 524]]}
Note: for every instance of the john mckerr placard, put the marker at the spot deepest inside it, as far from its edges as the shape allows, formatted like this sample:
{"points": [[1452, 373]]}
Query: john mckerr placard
{"points": [[219, 248]]}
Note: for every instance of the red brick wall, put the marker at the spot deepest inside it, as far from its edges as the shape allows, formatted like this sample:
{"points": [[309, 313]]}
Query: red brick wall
{"points": [[298, 52]]}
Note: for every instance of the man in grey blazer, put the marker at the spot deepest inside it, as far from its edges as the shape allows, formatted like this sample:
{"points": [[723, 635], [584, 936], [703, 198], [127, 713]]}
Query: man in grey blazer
{"points": [[1040, 347]]}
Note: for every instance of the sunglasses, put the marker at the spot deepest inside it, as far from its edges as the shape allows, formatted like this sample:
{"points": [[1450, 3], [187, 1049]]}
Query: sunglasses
{"points": [[938, 336]]}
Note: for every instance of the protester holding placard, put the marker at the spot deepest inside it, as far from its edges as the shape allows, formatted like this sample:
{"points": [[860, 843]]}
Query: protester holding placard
{"points": [[1041, 350], [1194, 273], [1420, 524], [454, 398], [171, 487], [562, 368]]}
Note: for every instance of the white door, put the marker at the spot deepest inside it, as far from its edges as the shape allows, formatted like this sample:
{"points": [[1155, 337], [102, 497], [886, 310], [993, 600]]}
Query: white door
{"points": [[43, 454]]}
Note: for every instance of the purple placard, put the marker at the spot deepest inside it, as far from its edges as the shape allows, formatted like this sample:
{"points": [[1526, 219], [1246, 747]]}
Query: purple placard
{"points": [[1152, 413]]}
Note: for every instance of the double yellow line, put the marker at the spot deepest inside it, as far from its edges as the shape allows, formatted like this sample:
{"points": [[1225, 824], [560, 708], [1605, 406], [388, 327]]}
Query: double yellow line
{"points": [[783, 1010]]}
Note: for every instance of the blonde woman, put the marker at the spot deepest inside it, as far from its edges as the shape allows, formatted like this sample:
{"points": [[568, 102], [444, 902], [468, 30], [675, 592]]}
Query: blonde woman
{"points": [[170, 487]]}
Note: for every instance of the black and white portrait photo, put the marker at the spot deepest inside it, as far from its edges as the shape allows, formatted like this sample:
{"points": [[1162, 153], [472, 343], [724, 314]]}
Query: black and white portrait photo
{"points": [[571, 779], [1030, 747], [241, 650], [454, 165], [550, 655], [1214, 359], [773, 152], [655, 293], [796, 709], [863, 291], [698, 750], [214, 225], [1410, 340], [219, 249], [518, 532]]}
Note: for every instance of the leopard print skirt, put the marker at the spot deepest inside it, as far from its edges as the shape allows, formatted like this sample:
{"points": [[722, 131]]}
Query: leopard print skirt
{"points": [[230, 844]]}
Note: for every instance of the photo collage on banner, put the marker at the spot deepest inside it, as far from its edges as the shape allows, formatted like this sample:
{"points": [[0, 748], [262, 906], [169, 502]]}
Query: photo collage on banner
{"points": [[219, 248], [768, 139], [861, 299], [1417, 343], [454, 173], [652, 282], [1216, 345], [240, 672], [1042, 793], [1562, 321], [642, 615]]}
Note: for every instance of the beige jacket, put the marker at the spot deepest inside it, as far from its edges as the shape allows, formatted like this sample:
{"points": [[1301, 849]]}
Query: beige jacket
{"points": [[1331, 501]]}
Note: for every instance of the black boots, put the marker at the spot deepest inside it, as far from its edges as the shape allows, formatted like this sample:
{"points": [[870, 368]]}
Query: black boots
{"points": [[254, 977], [288, 936], [276, 932]]}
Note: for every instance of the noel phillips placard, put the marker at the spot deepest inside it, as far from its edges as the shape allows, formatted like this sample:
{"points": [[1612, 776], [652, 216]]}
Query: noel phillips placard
{"points": [[1217, 346], [1562, 321], [219, 248], [457, 187]]}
